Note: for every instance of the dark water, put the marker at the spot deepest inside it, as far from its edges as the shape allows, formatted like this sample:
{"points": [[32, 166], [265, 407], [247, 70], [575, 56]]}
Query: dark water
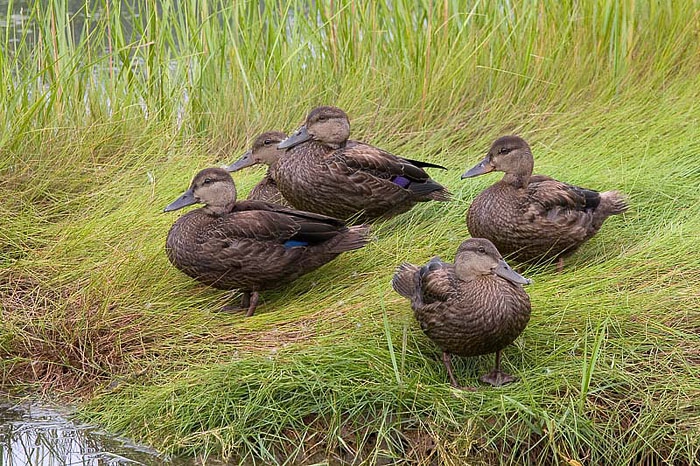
{"points": [[20, 23], [32, 435]]}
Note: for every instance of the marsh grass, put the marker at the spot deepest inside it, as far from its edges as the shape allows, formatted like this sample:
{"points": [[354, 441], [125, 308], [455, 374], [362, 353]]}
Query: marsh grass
{"points": [[107, 112]]}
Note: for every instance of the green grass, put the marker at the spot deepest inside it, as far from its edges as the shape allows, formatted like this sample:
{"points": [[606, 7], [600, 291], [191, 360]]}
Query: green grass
{"points": [[105, 123]]}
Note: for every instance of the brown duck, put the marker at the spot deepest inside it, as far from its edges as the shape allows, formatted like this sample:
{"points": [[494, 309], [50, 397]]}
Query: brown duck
{"points": [[476, 306], [324, 172], [264, 151], [530, 217], [250, 245]]}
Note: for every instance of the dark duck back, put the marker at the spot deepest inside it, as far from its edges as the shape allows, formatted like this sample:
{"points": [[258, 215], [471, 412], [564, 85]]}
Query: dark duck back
{"points": [[475, 306], [324, 172], [532, 217], [250, 245]]}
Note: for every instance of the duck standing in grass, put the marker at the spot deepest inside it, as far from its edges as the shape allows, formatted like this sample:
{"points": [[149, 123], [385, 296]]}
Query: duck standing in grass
{"points": [[530, 217], [475, 306], [264, 151], [323, 172], [250, 245]]}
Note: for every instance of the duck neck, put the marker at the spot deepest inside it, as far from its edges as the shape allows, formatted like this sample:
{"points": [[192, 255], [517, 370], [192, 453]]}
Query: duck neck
{"points": [[271, 167], [467, 273], [517, 180], [320, 149], [334, 145], [272, 161], [217, 210]]}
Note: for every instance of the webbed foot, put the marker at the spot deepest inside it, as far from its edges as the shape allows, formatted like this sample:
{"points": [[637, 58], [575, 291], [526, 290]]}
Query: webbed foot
{"points": [[496, 378]]}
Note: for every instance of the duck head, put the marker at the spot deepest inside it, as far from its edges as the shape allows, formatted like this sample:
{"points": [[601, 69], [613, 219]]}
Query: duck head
{"points": [[509, 154], [264, 151], [327, 125], [212, 187], [478, 257]]}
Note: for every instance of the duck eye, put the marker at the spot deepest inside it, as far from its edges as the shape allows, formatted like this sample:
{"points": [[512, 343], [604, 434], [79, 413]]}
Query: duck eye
{"points": [[482, 250], [503, 150], [207, 180], [267, 142], [322, 118]]}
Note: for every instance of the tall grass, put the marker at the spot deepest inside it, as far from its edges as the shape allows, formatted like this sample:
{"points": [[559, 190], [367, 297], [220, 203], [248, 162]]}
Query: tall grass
{"points": [[108, 109]]}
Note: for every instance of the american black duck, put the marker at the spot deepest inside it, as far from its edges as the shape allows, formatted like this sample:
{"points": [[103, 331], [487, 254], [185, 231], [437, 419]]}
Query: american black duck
{"points": [[530, 217], [475, 306], [323, 172], [250, 245], [264, 151]]}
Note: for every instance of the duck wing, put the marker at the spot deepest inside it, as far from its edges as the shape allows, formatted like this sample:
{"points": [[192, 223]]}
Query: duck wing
{"points": [[417, 163], [262, 221], [437, 281], [560, 202], [255, 205], [405, 173], [420, 163]]}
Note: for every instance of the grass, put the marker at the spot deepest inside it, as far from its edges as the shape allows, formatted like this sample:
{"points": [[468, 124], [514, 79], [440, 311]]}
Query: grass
{"points": [[106, 115]]}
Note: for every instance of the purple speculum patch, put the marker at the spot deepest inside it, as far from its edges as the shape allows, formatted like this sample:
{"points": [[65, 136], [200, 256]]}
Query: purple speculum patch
{"points": [[401, 181]]}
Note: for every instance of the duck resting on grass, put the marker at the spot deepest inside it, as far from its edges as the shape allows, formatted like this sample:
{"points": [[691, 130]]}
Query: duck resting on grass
{"points": [[533, 217], [264, 151], [321, 171], [250, 245], [475, 306]]}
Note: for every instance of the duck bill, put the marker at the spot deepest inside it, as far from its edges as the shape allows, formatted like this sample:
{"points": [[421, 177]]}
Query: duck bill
{"points": [[245, 161], [186, 199], [302, 135], [503, 270], [480, 168]]}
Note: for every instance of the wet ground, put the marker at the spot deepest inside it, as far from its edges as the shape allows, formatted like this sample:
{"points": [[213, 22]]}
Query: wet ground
{"points": [[33, 435]]}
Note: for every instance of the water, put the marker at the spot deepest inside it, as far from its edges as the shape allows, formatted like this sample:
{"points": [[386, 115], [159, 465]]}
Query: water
{"points": [[20, 24], [32, 435]]}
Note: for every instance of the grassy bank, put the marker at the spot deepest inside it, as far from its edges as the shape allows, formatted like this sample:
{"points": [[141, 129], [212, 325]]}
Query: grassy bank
{"points": [[106, 115]]}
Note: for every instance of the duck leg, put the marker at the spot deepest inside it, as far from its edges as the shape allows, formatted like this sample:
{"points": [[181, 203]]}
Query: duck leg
{"points": [[244, 306], [245, 300], [447, 361], [560, 265], [497, 377], [253, 298]]}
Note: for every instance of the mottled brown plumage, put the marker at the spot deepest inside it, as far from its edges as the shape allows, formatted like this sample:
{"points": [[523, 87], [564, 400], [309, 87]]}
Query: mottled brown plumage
{"points": [[264, 151], [475, 306], [250, 245], [534, 217], [324, 172]]}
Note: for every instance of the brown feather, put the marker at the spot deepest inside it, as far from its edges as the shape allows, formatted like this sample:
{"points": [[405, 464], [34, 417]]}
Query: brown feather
{"points": [[536, 217], [465, 316], [267, 190], [350, 179], [244, 248]]}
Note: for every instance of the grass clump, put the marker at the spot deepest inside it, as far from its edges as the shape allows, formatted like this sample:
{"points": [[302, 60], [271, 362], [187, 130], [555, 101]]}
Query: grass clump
{"points": [[108, 109]]}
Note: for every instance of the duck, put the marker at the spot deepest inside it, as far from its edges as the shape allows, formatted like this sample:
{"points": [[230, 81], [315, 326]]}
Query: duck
{"points": [[534, 217], [321, 171], [250, 245], [473, 307], [264, 151]]}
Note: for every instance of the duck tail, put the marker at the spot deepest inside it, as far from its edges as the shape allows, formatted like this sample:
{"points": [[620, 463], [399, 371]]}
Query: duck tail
{"points": [[405, 280], [429, 190], [442, 195], [353, 238], [612, 203]]}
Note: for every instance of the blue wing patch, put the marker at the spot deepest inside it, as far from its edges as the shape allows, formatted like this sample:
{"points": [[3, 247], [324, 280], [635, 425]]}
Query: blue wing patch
{"points": [[292, 243]]}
